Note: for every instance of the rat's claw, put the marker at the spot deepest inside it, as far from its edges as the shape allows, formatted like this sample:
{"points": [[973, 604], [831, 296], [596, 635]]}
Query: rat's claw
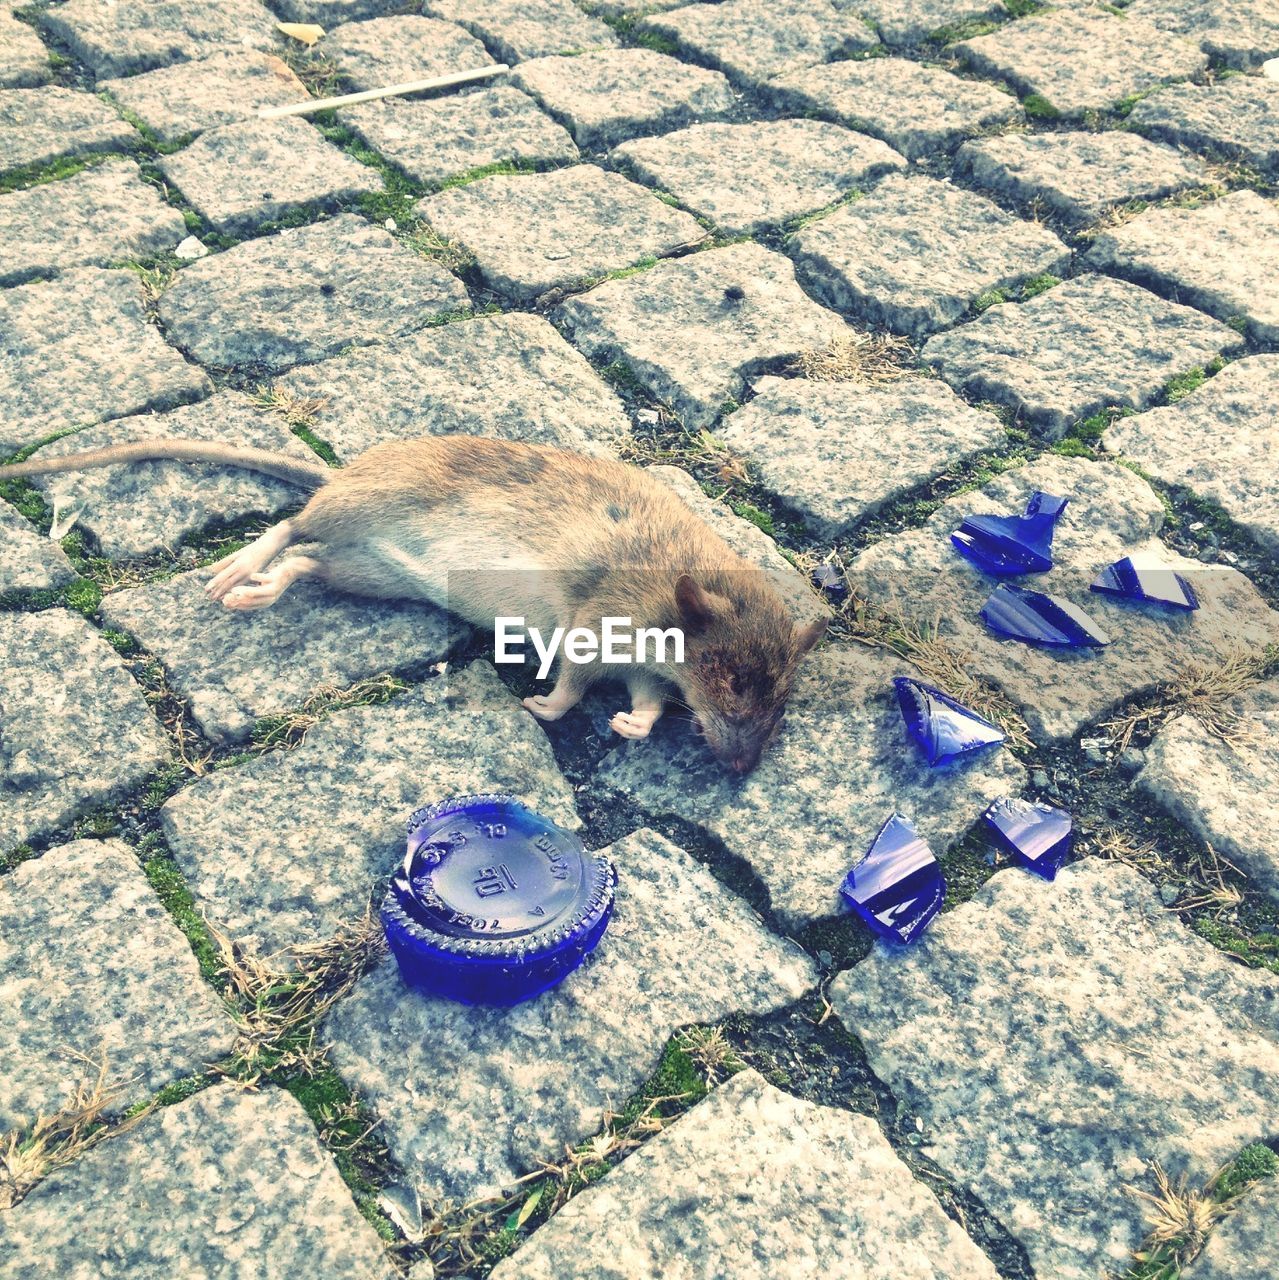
{"points": [[266, 591], [233, 570], [630, 725]]}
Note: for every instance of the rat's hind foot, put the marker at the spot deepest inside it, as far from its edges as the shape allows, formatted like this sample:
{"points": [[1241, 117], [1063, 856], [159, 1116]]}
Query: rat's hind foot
{"points": [[240, 566], [634, 724], [268, 587], [551, 706]]}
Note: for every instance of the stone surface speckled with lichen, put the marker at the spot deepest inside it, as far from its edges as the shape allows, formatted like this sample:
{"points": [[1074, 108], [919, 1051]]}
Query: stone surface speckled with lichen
{"points": [[39, 125], [438, 138], [910, 22], [691, 329], [400, 49], [1112, 513], [241, 175], [1098, 1034], [78, 350], [74, 728], [123, 39], [189, 97], [1221, 442], [330, 13], [98, 217], [304, 294], [1222, 257], [1083, 58], [1227, 793], [28, 560], [350, 787], [230, 1183], [235, 668], [92, 964], [746, 177], [754, 40], [1237, 118], [839, 768], [525, 1081], [836, 452], [510, 376], [914, 254], [24, 61], [1240, 33], [517, 30], [754, 1183], [142, 508], [915, 108], [609, 95], [1246, 1245], [1077, 176], [575, 224], [1082, 346]]}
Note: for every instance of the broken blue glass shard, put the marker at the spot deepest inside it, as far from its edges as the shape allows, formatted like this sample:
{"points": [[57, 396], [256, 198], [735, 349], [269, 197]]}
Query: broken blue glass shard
{"points": [[1157, 586], [898, 886], [941, 727], [493, 903], [1040, 619], [1004, 545], [1036, 834], [829, 579]]}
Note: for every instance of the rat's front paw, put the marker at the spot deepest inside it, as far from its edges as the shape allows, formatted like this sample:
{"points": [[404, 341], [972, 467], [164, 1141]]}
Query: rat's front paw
{"points": [[544, 707], [631, 725]]}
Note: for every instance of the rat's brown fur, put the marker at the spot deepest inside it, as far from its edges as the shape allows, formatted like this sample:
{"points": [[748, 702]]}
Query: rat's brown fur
{"points": [[493, 528]]}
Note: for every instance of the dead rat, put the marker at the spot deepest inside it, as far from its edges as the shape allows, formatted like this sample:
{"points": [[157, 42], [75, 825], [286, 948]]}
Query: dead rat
{"points": [[490, 528]]}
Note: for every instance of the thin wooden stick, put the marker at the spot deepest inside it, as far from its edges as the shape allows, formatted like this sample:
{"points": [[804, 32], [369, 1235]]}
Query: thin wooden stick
{"points": [[390, 91]]}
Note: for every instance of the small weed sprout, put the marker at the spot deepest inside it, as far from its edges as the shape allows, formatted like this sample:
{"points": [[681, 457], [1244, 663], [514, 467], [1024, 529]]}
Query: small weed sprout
{"points": [[709, 1048]]}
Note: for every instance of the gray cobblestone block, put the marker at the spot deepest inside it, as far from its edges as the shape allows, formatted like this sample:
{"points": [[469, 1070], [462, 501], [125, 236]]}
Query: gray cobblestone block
{"points": [[1113, 513], [1240, 33], [1070, 352], [75, 730], [1237, 118], [100, 216], [245, 1187], [256, 171], [1077, 177], [836, 452], [24, 61], [755, 1183], [79, 350], [350, 787], [510, 376], [92, 965], [574, 224], [236, 668], [607, 96], [438, 138], [1221, 442], [39, 125], [747, 177], [912, 107], [1226, 793], [838, 769], [692, 329], [399, 49], [525, 1081], [1246, 1245], [28, 560], [330, 13], [122, 39], [1099, 1035], [915, 254], [517, 30], [1222, 257], [304, 294], [910, 22], [223, 88], [145, 507], [754, 40], [1082, 59]]}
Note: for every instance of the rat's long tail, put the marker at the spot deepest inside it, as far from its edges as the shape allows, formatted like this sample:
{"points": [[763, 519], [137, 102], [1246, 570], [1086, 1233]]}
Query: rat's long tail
{"points": [[309, 475]]}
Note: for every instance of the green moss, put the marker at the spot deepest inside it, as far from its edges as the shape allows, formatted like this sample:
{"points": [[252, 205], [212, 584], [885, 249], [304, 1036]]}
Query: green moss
{"points": [[991, 298], [651, 40], [1251, 1165], [1260, 950], [969, 30], [677, 1078], [1024, 8], [34, 175], [1069, 448], [485, 171], [84, 597], [1183, 384], [1040, 284], [1238, 323], [760, 519], [320, 447], [164, 877], [177, 1091], [18, 854], [1039, 108]]}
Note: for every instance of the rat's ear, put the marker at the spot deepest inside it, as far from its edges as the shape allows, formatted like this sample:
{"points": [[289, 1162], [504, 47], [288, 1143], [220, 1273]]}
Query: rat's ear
{"points": [[695, 608], [807, 636]]}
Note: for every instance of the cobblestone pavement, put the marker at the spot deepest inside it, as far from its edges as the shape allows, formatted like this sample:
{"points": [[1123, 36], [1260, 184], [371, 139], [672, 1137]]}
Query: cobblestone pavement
{"points": [[842, 272]]}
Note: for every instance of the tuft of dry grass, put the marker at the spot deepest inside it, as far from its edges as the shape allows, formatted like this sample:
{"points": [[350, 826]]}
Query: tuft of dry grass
{"points": [[872, 359], [288, 730], [1179, 1219], [710, 1050], [450, 254], [26, 1158], [296, 410], [1117, 846]]}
